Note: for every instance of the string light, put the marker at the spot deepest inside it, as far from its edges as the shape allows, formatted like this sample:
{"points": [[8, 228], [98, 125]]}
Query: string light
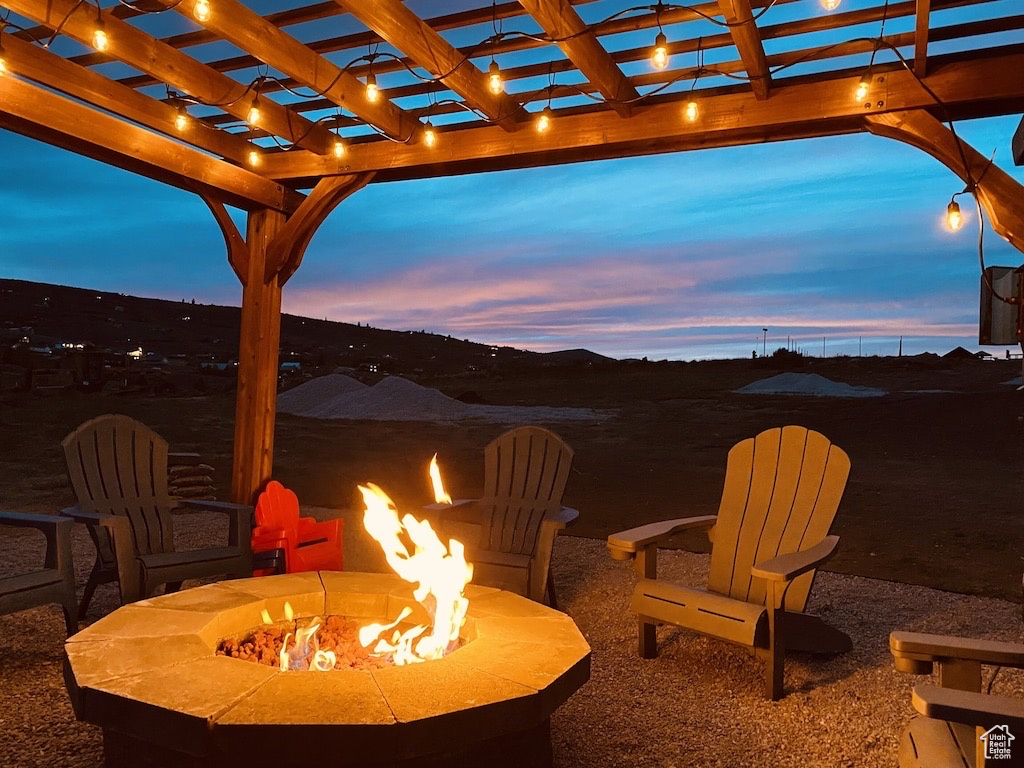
{"points": [[254, 158], [429, 134], [201, 10], [181, 119], [100, 41], [659, 56], [3, 60], [544, 120], [494, 81], [691, 111], [339, 147], [830, 5], [954, 220], [372, 91], [863, 86], [253, 118]]}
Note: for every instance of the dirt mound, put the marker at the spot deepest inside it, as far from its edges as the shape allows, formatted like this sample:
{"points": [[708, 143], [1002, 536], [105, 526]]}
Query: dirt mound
{"points": [[806, 384], [314, 392]]}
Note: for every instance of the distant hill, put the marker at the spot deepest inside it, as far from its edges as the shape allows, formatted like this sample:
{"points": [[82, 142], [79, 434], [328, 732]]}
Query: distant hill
{"points": [[49, 315]]}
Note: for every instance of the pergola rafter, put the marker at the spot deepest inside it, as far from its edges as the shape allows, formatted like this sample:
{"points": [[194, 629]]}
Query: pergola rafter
{"points": [[957, 59]]}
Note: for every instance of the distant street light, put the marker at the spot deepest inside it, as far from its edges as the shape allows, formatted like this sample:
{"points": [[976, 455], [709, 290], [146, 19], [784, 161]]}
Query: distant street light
{"points": [[764, 343]]}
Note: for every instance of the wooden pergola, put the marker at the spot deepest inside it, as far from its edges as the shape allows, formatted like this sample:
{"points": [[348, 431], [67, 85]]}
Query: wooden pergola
{"points": [[462, 86]]}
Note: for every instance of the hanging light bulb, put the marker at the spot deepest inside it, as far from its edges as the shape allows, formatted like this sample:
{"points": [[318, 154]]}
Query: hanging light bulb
{"points": [[372, 91], [830, 5], [254, 158], [954, 220], [429, 134], [201, 10], [691, 111], [863, 85], [3, 61], [494, 81], [181, 119], [544, 120], [339, 147], [100, 41], [253, 118], [659, 55]]}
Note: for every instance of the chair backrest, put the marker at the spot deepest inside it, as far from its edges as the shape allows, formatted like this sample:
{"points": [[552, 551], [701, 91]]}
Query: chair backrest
{"points": [[278, 507], [525, 472], [782, 490], [118, 465]]}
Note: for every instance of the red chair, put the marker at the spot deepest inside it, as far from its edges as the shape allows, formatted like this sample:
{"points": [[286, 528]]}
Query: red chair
{"points": [[302, 542]]}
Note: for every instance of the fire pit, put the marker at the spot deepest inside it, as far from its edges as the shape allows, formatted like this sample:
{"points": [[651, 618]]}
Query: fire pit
{"points": [[148, 674]]}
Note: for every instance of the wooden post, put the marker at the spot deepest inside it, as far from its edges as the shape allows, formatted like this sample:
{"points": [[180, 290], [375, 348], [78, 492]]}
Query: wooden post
{"points": [[256, 401]]}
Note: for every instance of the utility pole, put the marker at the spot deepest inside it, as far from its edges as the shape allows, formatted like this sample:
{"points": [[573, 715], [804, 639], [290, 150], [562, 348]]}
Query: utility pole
{"points": [[764, 343]]}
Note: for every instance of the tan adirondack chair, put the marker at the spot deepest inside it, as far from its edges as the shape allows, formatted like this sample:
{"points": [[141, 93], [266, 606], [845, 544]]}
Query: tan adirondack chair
{"points": [[782, 489], [55, 581], [520, 512], [118, 469], [955, 715]]}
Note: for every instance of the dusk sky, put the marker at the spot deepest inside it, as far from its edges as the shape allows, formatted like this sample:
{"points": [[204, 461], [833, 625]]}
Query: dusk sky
{"points": [[680, 256]]}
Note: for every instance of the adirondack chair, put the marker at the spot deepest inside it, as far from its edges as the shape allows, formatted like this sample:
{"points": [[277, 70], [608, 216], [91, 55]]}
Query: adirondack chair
{"points": [[957, 721], [117, 467], [303, 543], [520, 512], [55, 581], [782, 489]]}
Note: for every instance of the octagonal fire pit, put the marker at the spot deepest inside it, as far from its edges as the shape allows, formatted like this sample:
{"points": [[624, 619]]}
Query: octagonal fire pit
{"points": [[148, 674]]}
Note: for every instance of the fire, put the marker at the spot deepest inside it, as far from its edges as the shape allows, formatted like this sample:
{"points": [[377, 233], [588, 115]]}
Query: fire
{"points": [[440, 576]]}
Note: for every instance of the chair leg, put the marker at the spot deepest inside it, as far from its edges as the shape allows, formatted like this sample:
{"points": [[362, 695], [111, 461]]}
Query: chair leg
{"points": [[775, 658], [647, 638], [552, 597], [70, 618], [90, 587]]}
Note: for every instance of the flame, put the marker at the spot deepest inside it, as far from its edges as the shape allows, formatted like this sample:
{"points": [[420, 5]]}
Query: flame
{"points": [[305, 652], [439, 574], [440, 496]]}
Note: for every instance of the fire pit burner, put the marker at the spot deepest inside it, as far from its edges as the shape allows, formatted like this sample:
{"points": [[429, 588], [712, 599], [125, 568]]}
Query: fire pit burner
{"points": [[148, 675]]}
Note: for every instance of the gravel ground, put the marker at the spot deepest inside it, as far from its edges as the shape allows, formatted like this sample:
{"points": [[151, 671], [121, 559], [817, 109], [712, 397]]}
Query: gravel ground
{"points": [[698, 704]]}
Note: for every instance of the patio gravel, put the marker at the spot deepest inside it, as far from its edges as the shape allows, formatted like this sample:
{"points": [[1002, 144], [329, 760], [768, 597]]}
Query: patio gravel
{"points": [[699, 703]]}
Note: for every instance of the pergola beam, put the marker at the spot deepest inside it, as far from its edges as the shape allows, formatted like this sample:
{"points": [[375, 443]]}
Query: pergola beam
{"points": [[249, 31], [49, 69], [403, 29], [582, 48], [50, 118], [812, 107], [921, 23], [147, 54], [740, 18]]}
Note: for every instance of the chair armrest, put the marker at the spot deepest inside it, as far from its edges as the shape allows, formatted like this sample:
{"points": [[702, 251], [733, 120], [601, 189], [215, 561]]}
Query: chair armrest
{"points": [[123, 544], [114, 522], [459, 511], [563, 518], [41, 522], [787, 567], [625, 544], [227, 507], [968, 707], [922, 647]]}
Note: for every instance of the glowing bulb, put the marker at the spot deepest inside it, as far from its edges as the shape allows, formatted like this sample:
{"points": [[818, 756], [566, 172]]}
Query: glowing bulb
{"points": [[953, 218], [253, 118], [691, 112], [830, 5], [862, 88], [494, 83], [3, 62], [544, 120], [659, 56], [202, 10], [100, 41], [429, 134], [339, 148], [372, 91], [254, 158], [181, 119]]}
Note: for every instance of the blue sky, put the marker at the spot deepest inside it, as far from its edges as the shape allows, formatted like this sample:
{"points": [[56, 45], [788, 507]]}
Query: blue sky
{"points": [[680, 256]]}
